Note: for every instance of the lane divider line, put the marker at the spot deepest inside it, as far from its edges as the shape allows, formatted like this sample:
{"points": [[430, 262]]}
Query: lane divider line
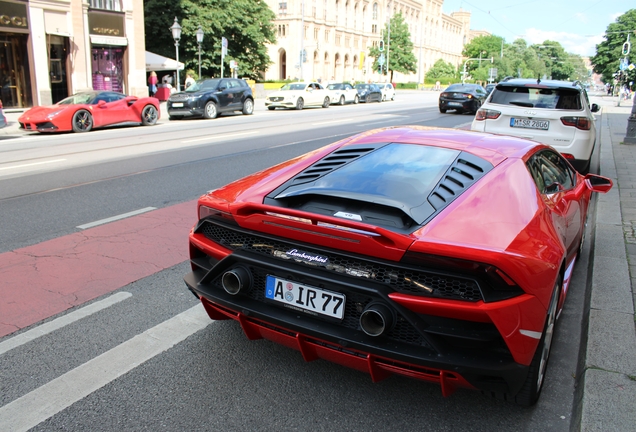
{"points": [[332, 121], [31, 164], [62, 321], [44, 402], [118, 217], [215, 137]]}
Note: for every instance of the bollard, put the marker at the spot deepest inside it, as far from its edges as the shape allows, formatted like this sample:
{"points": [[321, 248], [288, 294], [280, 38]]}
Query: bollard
{"points": [[630, 135]]}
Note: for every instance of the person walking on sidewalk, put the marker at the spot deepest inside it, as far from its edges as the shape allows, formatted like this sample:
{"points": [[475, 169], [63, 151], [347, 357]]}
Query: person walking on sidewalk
{"points": [[152, 83]]}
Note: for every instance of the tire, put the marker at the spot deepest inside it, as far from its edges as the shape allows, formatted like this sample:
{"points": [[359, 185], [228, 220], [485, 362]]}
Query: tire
{"points": [[248, 107], [356, 100], [326, 102], [300, 104], [342, 100], [442, 110], [82, 121], [210, 112], [531, 389], [149, 115], [271, 108]]}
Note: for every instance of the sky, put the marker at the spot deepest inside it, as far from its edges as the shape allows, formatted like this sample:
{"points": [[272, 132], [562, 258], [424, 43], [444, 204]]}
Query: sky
{"points": [[577, 24]]}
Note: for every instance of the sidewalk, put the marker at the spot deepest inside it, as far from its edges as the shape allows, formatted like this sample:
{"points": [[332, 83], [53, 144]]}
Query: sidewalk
{"points": [[607, 373]]}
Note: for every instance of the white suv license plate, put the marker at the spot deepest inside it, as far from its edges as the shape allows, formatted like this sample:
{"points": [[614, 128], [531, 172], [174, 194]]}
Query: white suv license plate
{"points": [[305, 297], [529, 124], [177, 105]]}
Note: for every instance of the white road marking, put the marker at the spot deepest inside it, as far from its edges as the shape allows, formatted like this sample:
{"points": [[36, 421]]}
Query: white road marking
{"points": [[32, 164], [331, 122], [114, 218], [215, 137], [62, 321], [44, 402]]}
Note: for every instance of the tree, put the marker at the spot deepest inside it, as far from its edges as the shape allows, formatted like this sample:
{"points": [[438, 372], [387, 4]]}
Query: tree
{"points": [[246, 24], [399, 49], [441, 71], [608, 53]]}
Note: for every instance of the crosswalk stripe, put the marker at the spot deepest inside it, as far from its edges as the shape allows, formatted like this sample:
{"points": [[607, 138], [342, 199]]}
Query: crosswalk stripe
{"points": [[44, 402]]}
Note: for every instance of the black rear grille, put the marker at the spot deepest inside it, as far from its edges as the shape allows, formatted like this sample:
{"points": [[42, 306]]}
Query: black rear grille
{"points": [[403, 331], [402, 279]]}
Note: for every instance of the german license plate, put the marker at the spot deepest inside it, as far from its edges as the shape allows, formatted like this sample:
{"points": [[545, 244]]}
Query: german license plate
{"points": [[307, 298], [177, 104], [454, 104], [529, 124]]}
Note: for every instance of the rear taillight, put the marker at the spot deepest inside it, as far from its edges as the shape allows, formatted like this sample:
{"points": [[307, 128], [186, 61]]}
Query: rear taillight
{"points": [[567, 156], [484, 114], [205, 211], [582, 123]]}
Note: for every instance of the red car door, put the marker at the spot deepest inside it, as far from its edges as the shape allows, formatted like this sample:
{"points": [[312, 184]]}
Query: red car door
{"points": [[113, 108]]}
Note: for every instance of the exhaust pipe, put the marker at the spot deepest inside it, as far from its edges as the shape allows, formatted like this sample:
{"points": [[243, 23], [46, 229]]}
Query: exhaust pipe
{"points": [[236, 280], [376, 320]]}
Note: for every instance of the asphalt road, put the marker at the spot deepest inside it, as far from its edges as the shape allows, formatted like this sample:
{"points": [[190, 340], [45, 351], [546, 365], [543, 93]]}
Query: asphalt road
{"points": [[149, 361]]}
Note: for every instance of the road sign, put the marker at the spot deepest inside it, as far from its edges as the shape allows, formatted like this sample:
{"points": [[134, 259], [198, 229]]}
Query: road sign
{"points": [[223, 46]]}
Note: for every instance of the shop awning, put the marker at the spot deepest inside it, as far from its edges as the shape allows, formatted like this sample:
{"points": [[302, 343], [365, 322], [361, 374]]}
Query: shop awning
{"points": [[155, 62]]}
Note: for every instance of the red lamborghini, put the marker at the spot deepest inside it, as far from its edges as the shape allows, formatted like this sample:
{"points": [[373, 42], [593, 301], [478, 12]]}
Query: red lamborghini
{"points": [[438, 254], [83, 112]]}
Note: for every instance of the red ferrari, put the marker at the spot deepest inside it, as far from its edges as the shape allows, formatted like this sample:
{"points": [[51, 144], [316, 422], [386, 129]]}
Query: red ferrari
{"points": [[437, 254], [83, 112]]}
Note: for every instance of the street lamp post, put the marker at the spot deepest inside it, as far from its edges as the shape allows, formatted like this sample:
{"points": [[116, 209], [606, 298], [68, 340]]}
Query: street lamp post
{"points": [[176, 35], [200, 41]]}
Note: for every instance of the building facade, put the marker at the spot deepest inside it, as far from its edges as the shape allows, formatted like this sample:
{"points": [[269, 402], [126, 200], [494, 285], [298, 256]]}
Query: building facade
{"points": [[50, 49], [336, 35]]}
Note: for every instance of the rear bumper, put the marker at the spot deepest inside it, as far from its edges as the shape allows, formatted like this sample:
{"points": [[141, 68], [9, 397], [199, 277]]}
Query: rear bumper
{"points": [[452, 367]]}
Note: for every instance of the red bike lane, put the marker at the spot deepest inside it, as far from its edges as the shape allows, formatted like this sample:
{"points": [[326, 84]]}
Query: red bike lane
{"points": [[42, 280]]}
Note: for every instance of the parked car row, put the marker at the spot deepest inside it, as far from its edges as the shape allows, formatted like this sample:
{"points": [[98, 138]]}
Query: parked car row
{"points": [[556, 113], [299, 95]]}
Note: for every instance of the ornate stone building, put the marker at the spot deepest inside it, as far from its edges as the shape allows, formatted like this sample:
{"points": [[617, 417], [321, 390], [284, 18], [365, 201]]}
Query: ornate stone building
{"points": [[53, 48], [335, 36]]}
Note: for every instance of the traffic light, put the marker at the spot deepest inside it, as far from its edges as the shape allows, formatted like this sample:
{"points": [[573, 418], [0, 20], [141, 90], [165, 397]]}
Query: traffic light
{"points": [[626, 48]]}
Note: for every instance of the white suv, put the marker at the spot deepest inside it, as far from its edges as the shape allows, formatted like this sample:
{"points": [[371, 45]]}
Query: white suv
{"points": [[556, 113]]}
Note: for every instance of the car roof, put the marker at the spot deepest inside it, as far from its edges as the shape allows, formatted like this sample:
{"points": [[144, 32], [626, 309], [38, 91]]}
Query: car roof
{"points": [[491, 147], [516, 82]]}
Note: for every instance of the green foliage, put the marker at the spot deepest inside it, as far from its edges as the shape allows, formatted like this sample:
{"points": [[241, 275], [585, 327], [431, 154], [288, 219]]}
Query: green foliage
{"points": [[441, 71], [399, 48], [608, 53], [246, 24]]}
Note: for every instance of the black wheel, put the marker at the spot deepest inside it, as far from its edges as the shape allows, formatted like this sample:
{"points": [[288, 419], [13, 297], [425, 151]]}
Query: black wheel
{"points": [[342, 100], [271, 108], [356, 100], [531, 389], [171, 117], [300, 104], [82, 121], [149, 115], [248, 107], [442, 110], [210, 111], [326, 102]]}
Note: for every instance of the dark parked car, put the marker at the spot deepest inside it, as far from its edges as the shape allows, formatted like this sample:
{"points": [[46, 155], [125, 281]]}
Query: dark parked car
{"points": [[490, 88], [369, 92], [210, 97], [462, 98]]}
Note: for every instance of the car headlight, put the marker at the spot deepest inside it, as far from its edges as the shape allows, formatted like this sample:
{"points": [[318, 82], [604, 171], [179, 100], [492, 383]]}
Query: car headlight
{"points": [[54, 113]]}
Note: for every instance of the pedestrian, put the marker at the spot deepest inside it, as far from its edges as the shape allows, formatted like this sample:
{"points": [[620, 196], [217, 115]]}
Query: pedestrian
{"points": [[152, 83], [189, 80]]}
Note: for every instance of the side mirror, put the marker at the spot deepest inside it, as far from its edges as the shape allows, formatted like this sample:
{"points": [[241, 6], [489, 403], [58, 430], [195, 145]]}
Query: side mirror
{"points": [[101, 104], [595, 108], [597, 183]]}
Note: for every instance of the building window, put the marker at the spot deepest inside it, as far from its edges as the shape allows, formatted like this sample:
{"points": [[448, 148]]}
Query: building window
{"points": [[374, 28], [112, 5], [316, 31], [326, 35], [375, 11], [282, 8], [281, 30], [337, 40]]}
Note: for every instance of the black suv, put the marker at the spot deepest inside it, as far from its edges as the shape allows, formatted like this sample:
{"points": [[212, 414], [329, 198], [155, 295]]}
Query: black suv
{"points": [[210, 97]]}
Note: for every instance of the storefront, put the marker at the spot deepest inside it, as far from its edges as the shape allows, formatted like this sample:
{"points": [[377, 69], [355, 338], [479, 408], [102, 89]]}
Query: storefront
{"points": [[15, 72], [108, 50]]}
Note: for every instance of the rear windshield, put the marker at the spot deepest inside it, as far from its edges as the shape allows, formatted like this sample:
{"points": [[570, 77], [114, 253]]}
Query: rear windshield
{"points": [[533, 97], [460, 88]]}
